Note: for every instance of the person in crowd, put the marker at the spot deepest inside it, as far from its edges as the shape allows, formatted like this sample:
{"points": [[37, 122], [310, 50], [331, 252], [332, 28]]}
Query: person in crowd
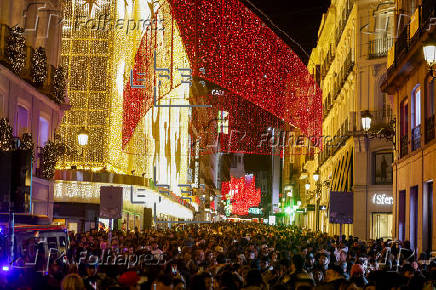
{"points": [[230, 256]]}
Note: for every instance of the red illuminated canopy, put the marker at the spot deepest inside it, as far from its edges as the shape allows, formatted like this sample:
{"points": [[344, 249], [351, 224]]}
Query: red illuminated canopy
{"points": [[227, 44]]}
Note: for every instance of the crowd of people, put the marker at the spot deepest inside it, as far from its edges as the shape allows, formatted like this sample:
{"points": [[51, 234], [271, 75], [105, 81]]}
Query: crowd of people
{"points": [[232, 256]]}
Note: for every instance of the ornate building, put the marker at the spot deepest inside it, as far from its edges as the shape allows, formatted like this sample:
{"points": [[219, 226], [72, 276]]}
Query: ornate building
{"points": [[410, 83], [31, 100], [349, 64]]}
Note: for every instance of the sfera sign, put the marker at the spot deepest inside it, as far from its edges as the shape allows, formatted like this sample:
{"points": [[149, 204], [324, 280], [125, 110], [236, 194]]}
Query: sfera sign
{"points": [[382, 199]]}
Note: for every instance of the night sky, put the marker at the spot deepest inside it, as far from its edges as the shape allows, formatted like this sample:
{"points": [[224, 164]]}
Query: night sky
{"points": [[300, 19]]}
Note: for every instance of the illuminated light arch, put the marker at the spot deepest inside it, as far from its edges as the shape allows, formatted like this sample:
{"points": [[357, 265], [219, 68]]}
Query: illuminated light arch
{"points": [[230, 46]]}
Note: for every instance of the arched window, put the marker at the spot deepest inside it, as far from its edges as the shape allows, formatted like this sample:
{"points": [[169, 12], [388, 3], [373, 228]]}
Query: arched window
{"points": [[416, 117]]}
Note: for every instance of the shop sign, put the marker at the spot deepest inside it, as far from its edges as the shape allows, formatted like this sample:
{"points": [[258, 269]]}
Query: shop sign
{"points": [[382, 199], [255, 210]]}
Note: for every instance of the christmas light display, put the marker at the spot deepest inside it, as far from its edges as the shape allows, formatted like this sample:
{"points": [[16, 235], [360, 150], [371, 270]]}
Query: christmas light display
{"points": [[59, 85], [6, 136], [49, 155], [241, 194], [15, 49], [229, 46], [39, 66]]}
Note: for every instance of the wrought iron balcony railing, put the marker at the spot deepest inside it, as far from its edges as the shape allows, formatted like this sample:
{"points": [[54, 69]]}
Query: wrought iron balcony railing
{"points": [[416, 138], [379, 47]]}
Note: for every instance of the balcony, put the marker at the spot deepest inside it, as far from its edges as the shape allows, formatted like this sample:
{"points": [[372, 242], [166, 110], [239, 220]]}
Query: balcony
{"points": [[411, 33], [429, 129], [343, 21], [379, 48], [342, 76], [404, 142], [416, 138]]}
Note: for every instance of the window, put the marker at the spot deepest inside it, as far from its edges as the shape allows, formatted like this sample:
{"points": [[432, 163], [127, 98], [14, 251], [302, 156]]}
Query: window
{"points": [[416, 118], [43, 131], [429, 111], [404, 111], [416, 105], [387, 110], [402, 215], [22, 121], [404, 125], [413, 209], [383, 168]]}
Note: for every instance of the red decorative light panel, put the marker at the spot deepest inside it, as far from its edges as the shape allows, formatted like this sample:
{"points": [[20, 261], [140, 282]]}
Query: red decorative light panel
{"points": [[242, 193]]}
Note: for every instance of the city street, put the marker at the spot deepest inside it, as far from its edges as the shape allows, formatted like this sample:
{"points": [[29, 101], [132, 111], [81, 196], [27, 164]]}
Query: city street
{"points": [[206, 144]]}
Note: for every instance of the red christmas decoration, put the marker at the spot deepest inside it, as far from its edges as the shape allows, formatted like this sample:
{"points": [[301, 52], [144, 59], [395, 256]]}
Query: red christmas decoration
{"points": [[242, 193], [228, 45]]}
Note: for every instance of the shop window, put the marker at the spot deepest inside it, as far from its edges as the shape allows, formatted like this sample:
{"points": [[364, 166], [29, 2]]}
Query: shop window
{"points": [[416, 118], [429, 111], [382, 226], [43, 131]]}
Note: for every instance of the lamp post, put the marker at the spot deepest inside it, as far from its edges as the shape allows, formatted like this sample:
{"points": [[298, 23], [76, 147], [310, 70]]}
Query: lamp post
{"points": [[387, 132], [315, 177]]}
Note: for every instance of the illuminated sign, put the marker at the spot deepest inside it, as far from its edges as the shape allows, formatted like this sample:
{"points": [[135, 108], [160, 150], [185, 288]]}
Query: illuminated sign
{"points": [[255, 210], [382, 199], [322, 207]]}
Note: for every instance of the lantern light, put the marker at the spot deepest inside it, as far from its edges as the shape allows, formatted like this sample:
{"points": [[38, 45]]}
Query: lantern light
{"points": [[366, 120], [82, 137], [307, 186], [430, 53], [316, 176]]}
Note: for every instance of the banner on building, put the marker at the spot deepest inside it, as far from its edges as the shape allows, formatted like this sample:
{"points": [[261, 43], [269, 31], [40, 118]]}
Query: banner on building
{"points": [[341, 207], [111, 202]]}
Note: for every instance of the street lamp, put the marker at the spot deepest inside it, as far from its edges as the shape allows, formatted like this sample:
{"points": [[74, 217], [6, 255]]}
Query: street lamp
{"points": [[316, 176], [82, 137], [429, 50], [307, 186], [366, 120]]}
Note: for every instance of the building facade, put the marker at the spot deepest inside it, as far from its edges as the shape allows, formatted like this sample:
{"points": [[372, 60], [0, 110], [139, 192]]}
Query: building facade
{"points": [[349, 64], [137, 121], [411, 85], [30, 107]]}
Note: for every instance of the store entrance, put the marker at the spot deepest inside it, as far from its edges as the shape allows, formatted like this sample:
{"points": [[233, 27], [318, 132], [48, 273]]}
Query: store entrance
{"points": [[381, 226]]}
